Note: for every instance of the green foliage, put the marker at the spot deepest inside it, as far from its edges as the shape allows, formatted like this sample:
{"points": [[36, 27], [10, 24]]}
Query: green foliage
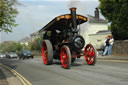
{"points": [[8, 13], [115, 11], [25, 46], [123, 21], [9, 46], [37, 43], [109, 27], [17, 47], [106, 7]]}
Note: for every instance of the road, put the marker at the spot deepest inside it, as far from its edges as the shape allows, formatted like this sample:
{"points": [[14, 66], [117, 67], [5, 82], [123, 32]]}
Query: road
{"points": [[103, 73]]}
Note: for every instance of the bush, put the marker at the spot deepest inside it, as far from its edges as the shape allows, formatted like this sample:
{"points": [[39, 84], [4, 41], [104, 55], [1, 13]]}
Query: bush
{"points": [[36, 44], [9, 46]]}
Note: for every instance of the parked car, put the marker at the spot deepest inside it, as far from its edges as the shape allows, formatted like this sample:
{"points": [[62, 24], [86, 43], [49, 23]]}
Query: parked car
{"points": [[25, 54], [12, 55], [2, 55]]}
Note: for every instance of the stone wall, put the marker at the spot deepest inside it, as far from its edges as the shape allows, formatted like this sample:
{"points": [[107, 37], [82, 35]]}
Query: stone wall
{"points": [[37, 53], [120, 47]]}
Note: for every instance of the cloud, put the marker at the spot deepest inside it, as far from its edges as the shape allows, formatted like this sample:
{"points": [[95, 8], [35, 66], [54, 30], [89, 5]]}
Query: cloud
{"points": [[40, 6]]}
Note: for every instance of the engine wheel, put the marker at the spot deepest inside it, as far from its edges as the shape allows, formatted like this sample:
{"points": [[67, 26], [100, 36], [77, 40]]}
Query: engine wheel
{"points": [[65, 56], [47, 52], [90, 54]]}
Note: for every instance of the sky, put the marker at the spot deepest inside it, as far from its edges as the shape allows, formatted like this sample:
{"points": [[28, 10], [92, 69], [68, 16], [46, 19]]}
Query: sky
{"points": [[35, 14]]}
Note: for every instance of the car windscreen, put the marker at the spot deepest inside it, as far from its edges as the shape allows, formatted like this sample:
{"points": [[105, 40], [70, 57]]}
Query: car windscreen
{"points": [[27, 51], [12, 53]]}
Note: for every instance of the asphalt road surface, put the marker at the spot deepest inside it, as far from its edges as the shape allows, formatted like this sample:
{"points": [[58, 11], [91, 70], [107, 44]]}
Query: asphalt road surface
{"points": [[103, 73]]}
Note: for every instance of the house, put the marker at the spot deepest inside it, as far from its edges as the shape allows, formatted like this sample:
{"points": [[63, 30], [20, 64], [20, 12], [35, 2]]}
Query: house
{"points": [[95, 30]]}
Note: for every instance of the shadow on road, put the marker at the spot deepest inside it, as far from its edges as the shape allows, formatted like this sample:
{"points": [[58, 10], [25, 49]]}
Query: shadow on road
{"points": [[2, 75], [57, 62], [76, 63], [10, 62]]}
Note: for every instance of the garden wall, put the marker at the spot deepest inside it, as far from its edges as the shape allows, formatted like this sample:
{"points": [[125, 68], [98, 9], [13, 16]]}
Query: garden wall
{"points": [[120, 47]]}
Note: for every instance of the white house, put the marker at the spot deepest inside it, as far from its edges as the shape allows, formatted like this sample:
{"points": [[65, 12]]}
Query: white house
{"points": [[95, 30]]}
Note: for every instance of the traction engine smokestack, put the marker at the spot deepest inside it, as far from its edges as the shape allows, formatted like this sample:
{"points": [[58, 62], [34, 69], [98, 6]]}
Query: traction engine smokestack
{"points": [[73, 15]]}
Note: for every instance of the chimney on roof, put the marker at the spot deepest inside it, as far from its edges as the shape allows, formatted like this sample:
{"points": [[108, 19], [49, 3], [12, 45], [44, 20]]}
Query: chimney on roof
{"points": [[96, 13]]}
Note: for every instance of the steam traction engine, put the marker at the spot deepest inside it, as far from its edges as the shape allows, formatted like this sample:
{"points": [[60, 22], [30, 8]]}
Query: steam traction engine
{"points": [[64, 42]]}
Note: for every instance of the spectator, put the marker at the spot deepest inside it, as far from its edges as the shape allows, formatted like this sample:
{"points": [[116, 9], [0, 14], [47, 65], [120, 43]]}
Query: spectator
{"points": [[106, 45], [111, 41], [105, 42]]}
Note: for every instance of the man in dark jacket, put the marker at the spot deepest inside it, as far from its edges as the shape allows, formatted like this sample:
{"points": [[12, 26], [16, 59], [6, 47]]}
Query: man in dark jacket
{"points": [[106, 45]]}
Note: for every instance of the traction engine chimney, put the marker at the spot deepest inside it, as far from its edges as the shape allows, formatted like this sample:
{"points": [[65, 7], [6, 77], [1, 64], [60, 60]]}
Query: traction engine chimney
{"points": [[73, 15]]}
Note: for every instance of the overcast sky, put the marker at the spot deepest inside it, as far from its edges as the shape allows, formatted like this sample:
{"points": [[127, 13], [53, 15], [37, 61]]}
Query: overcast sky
{"points": [[34, 14]]}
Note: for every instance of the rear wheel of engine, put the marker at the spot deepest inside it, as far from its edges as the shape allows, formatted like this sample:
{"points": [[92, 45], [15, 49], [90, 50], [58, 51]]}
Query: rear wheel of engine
{"points": [[90, 54], [47, 52], [65, 56]]}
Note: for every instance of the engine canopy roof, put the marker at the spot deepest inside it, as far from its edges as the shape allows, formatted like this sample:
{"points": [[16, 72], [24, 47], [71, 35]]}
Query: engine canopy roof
{"points": [[63, 22]]}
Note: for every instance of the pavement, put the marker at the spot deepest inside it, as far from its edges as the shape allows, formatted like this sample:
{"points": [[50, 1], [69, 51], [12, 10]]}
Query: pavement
{"points": [[8, 78], [113, 57]]}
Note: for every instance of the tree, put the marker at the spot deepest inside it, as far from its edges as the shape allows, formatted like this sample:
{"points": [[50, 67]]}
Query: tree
{"points": [[37, 43], [123, 21], [9, 46], [8, 14], [115, 11], [106, 7]]}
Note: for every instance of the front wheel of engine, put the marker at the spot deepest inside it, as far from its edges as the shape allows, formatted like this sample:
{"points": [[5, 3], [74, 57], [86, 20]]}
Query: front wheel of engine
{"points": [[90, 54], [65, 56]]}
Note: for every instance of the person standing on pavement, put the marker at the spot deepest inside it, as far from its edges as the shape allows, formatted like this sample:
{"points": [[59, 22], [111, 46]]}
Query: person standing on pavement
{"points": [[106, 45], [111, 41]]}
